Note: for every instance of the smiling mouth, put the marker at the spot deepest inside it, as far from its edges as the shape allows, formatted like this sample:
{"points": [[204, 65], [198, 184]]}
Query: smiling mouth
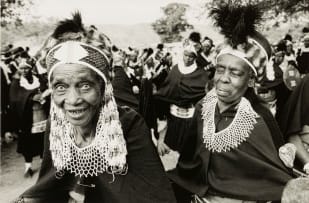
{"points": [[76, 113]]}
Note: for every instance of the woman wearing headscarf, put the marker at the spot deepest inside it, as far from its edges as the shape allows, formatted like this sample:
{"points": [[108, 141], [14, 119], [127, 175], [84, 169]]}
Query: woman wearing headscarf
{"points": [[94, 150], [29, 110], [231, 151]]}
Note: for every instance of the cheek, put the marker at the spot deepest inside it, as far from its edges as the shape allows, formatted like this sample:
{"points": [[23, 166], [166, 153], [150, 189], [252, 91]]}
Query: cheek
{"points": [[58, 99], [94, 98]]}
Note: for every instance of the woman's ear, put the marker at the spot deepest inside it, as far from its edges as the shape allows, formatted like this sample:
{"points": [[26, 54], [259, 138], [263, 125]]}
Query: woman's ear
{"points": [[251, 82]]}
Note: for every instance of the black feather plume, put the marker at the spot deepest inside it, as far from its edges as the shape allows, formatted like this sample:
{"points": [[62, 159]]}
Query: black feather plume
{"points": [[237, 22], [69, 25]]}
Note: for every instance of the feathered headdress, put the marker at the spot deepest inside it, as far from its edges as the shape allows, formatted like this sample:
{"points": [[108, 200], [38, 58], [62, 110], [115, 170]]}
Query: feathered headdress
{"points": [[238, 25], [70, 29]]}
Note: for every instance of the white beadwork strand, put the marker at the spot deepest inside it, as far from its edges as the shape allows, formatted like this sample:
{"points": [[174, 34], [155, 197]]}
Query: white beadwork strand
{"points": [[106, 153], [232, 136]]}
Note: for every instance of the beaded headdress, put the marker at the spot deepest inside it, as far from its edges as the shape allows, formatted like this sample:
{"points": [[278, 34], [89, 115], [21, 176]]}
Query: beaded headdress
{"points": [[107, 152]]}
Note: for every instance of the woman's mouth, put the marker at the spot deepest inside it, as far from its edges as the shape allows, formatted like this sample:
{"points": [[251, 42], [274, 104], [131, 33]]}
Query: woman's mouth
{"points": [[76, 113], [222, 92]]}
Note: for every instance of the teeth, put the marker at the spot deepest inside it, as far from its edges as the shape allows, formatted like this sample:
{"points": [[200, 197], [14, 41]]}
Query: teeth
{"points": [[77, 111]]}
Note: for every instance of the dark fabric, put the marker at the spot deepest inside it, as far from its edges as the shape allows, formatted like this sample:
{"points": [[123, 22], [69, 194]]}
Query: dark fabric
{"points": [[144, 182], [6, 119], [282, 92], [296, 110], [177, 130], [146, 103], [183, 89], [201, 61], [21, 111], [122, 87], [253, 171], [205, 64], [303, 62]]}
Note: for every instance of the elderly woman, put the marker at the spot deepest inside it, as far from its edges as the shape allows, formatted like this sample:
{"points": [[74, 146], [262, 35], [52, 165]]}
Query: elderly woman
{"points": [[231, 152], [94, 151]]}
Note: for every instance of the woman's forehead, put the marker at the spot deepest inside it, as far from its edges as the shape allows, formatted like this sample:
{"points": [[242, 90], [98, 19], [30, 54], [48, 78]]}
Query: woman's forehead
{"points": [[73, 71], [230, 61]]}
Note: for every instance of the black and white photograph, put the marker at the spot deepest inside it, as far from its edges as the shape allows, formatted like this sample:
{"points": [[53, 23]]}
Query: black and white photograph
{"points": [[154, 101]]}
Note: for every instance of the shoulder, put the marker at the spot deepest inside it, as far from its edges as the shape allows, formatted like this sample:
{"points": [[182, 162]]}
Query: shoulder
{"points": [[130, 120]]}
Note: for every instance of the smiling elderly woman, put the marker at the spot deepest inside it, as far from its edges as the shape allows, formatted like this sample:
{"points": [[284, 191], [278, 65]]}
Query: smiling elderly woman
{"points": [[95, 151]]}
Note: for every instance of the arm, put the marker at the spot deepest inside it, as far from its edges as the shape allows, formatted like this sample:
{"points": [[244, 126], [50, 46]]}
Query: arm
{"points": [[301, 152]]}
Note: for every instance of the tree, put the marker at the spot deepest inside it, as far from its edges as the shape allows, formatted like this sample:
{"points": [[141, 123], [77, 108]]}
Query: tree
{"points": [[173, 23], [273, 8], [11, 11]]}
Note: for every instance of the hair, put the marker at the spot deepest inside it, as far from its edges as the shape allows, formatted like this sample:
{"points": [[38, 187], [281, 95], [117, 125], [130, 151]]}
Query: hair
{"points": [[195, 37], [160, 46], [209, 39], [288, 37]]}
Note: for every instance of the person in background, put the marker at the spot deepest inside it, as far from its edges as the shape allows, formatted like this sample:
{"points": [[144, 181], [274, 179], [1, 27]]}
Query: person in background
{"points": [[29, 108], [302, 56], [95, 151], [294, 123], [183, 87], [231, 150]]}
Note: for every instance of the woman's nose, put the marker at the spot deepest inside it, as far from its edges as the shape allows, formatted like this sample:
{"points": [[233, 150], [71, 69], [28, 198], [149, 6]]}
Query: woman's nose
{"points": [[225, 77], [73, 97]]}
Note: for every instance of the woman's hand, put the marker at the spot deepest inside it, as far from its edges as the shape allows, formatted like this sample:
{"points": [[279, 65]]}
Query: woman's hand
{"points": [[287, 154], [162, 148]]}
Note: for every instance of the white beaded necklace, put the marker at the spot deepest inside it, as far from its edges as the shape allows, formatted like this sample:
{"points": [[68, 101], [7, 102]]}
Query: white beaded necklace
{"points": [[23, 82], [232, 136], [106, 153]]}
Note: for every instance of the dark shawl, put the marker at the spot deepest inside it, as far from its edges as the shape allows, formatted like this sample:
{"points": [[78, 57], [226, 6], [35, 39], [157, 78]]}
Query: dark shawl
{"points": [[144, 182], [296, 110], [253, 171], [183, 89], [122, 87]]}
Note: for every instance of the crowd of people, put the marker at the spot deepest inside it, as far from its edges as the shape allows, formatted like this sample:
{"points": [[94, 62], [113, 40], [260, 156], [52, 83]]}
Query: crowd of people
{"points": [[235, 113]]}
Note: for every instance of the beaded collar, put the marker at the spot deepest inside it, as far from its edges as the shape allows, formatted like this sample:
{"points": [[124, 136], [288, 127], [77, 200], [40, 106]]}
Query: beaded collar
{"points": [[233, 135]]}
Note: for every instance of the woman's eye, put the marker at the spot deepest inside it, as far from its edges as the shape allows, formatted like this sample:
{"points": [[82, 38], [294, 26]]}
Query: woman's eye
{"points": [[220, 69], [233, 73], [85, 86], [59, 88]]}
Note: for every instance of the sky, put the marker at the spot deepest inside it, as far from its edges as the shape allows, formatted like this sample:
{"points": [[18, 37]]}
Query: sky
{"points": [[107, 11]]}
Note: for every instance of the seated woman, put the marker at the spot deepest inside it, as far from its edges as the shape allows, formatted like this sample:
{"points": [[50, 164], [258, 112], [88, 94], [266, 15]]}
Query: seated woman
{"points": [[94, 150]]}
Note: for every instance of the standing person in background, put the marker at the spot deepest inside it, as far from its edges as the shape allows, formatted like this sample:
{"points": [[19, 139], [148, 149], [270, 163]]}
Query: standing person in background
{"points": [[183, 87], [95, 151], [302, 56], [231, 150], [28, 95]]}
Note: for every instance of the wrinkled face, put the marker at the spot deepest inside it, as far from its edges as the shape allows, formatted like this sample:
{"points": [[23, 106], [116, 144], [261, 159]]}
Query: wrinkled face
{"points": [[188, 58], [77, 90], [232, 78]]}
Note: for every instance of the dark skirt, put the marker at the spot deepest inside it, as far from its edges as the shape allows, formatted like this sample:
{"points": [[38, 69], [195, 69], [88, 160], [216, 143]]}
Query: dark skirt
{"points": [[177, 130], [30, 144]]}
